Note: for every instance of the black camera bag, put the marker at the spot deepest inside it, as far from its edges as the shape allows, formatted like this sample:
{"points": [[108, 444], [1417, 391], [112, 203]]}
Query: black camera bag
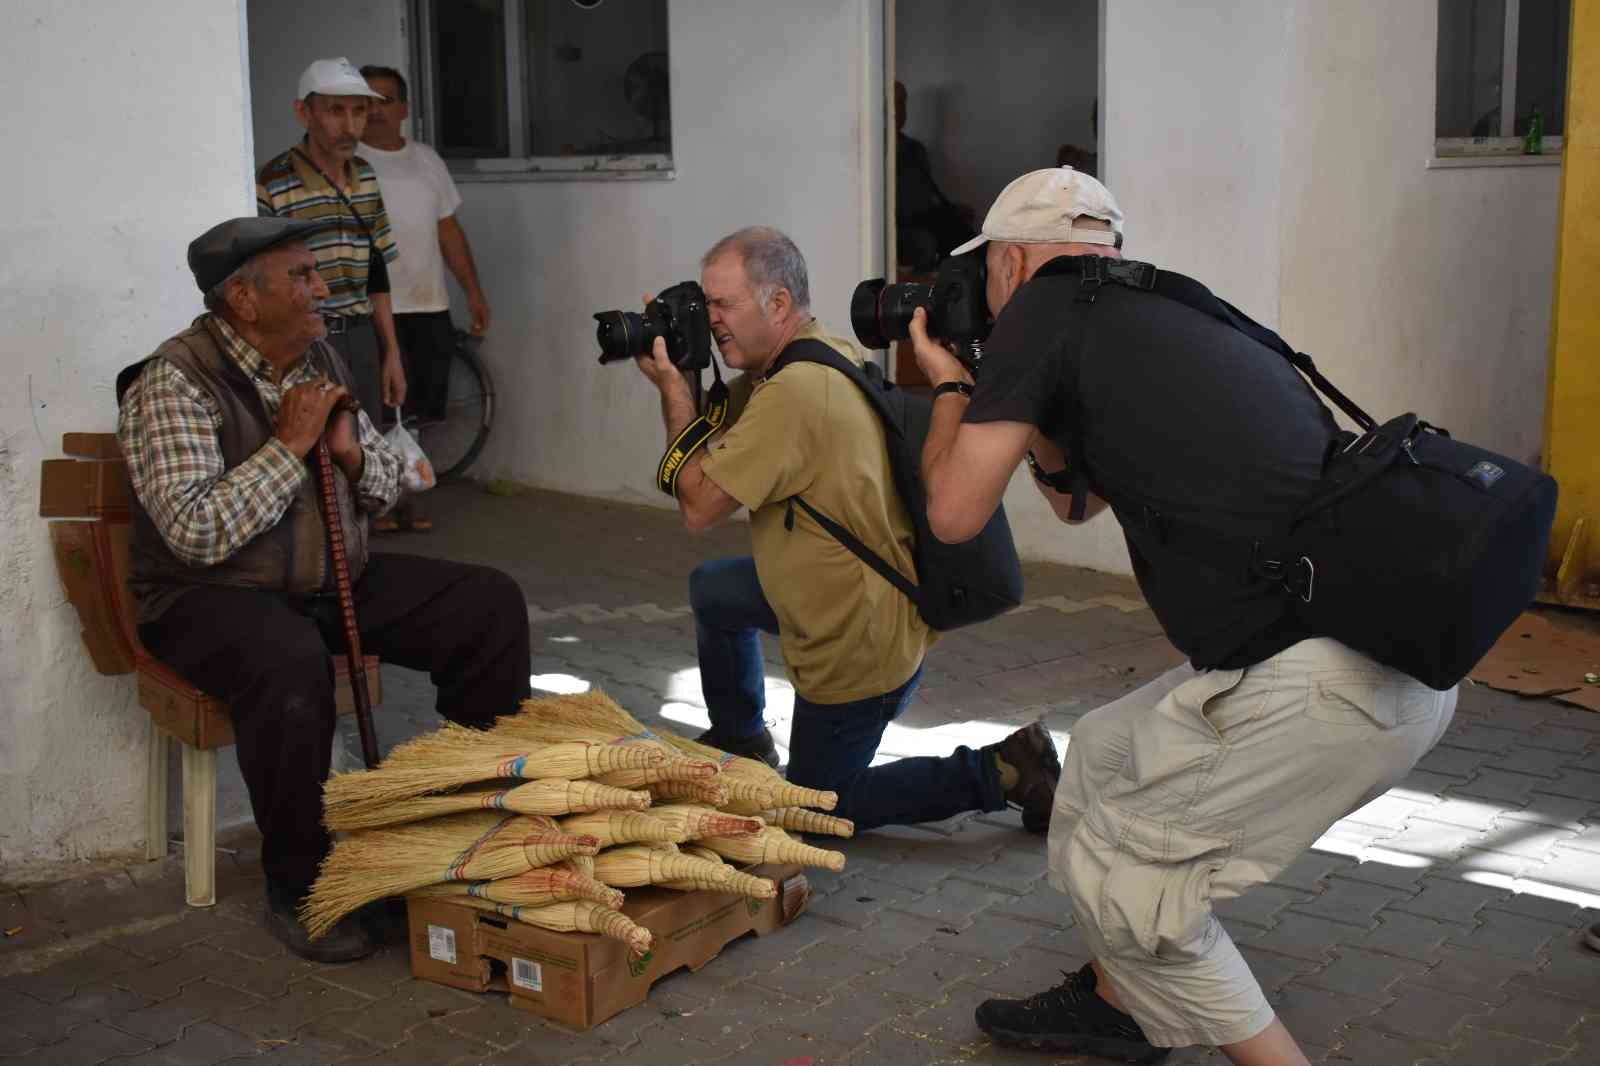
{"points": [[958, 584], [1416, 549]]}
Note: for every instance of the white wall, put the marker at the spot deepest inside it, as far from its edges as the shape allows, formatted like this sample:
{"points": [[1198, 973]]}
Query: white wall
{"points": [[777, 119], [122, 154], [994, 89], [286, 35]]}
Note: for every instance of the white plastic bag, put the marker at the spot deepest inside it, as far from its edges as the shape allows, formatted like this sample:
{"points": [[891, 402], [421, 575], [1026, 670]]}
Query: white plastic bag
{"points": [[416, 473]]}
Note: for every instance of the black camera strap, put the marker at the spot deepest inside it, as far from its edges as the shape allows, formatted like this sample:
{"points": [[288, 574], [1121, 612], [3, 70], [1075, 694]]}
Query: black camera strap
{"points": [[694, 435]]}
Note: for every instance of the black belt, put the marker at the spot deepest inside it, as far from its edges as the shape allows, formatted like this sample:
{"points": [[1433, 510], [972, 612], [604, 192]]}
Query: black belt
{"points": [[344, 323]]}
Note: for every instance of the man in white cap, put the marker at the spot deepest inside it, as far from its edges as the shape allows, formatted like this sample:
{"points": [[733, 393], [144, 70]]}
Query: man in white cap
{"points": [[1211, 779], [322, 179]]}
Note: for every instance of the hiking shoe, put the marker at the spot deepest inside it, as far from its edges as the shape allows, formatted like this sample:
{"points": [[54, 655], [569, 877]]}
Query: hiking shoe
{"points": [[1070, 1017], [1032, 753], [759, 746], [345, 942]]}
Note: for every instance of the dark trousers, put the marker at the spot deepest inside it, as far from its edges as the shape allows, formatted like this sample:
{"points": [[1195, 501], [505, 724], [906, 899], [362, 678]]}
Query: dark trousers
{"points": [[359, 345], [269, 660], [831, 746], [427, 343]]}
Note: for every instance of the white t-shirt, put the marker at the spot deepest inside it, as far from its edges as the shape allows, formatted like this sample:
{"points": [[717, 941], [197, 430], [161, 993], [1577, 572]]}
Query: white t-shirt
{"points": [[418, 192]]}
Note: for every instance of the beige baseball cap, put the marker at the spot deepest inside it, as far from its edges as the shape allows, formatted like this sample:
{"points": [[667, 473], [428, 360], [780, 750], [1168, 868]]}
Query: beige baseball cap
{"points": [[334, 77], [1041, 206]]}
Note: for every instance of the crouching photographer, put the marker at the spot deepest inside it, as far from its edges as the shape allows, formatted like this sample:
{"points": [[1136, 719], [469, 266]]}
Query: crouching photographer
{"points": [[1312, 576], [791, 446]]}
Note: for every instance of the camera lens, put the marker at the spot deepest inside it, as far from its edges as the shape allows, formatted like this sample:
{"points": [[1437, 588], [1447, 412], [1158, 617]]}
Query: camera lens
{"points": [[864, 314], [897, 303], [622, 335]]}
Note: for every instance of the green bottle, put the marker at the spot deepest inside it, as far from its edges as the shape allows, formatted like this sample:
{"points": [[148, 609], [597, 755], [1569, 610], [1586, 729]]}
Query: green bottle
{"points": [[1533, 143]]}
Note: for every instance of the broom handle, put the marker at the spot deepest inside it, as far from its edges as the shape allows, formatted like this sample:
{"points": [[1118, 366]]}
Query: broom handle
{"points": [[347, 604]]}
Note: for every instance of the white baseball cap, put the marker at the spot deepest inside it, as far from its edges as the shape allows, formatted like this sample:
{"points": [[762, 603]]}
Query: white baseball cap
{"points": [[334, 77], [1041, 206]]}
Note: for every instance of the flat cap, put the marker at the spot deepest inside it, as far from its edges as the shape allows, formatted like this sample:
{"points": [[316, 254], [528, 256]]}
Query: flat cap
{"points": [[225, 247]]}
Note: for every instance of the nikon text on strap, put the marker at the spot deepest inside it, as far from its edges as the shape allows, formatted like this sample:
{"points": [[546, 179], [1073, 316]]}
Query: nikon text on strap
{"points": [[694, 435]]}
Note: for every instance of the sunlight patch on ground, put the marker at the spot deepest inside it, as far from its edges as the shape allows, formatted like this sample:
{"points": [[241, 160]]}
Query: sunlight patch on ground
{"points": [[558, 684]]}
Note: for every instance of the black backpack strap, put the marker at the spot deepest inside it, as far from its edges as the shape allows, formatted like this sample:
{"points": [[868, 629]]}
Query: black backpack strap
{"points": [[814, 351]]}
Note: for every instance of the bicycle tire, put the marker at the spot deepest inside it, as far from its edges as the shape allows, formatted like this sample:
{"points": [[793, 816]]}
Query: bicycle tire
{"points": [[455, 442]]}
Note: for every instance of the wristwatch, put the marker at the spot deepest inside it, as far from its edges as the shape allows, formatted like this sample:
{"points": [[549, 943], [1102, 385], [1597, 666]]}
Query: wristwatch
{"points": [[952, 386]]}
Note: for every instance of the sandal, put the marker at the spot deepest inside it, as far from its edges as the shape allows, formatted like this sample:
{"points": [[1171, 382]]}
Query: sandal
{"points": [[420, 525], [385, 524]]}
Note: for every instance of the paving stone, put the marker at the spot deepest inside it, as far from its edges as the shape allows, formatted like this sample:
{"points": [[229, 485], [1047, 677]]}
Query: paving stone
{"points": [[927, 974], [165, 979], [1394, 870], [790, 1041], [1355, 902], [1508, 935], [374, 976], [1478, 1047], [306, 1001], [1029, 970], [1467, 812], [1548, 1019], [194, 924], [264, 977], [1302, 936], [990, 936], [1259, 906], [1530, 905], [860, 902], [1367, 1047], [56, 982], [816, 973], [954, 902], [200, 1045], [1388, 811], [1068, 942], [433, 1045], [892, 934], [1558, 738], [1575, 783], [1014, 870], [1530, 841], [1043, 905], [1431, 840], [1362, 974], [1423, 787], [498, 1024], [1539, 762], [1273, 971], [1570, 869], [166, 1020], [94, 1043], [1473, 864], [1450, 901], [1565, 812], [859, 1008], [1476, 975], [1319, 1017], [729, 1020], [1452, 761], [1477, 737], [1426, 1013], [1572, 971], [1409, 936], [751, 955], [1310, 870]]}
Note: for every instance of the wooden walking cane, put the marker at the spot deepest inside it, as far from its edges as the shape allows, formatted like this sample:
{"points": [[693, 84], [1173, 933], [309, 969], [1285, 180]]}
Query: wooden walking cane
{"points": [[328, 495]]}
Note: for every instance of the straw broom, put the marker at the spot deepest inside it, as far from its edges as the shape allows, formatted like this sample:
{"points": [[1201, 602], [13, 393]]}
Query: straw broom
{"points": [[766, 787], [624, 827], [773, 845], [737, 884], [578, 916], [375, 863], [696, 821], [388, 784], [708, 792], [452, 743], [796, 820], [535, 797], [640, 864], [535, 888]]}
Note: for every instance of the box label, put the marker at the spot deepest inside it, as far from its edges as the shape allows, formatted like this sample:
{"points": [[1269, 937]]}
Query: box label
{"points": [[442, 943], [526, 973]]}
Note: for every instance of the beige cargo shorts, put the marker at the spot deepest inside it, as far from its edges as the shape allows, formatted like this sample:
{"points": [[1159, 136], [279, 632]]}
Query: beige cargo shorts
{"points": [[1198, 786]]}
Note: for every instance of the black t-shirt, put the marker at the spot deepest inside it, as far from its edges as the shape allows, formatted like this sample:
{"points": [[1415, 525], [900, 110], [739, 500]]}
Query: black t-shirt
{"points": [[1183, 414]]}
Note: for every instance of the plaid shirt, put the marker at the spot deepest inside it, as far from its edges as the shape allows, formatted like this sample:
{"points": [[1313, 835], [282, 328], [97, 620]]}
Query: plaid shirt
{"points": [[167, 428]]}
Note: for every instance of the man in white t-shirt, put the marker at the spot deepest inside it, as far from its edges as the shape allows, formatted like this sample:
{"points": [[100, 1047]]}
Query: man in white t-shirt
{"points": [[422, 202]]}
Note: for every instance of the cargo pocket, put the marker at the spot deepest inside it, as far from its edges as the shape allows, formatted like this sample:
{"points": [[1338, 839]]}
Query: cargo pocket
{"points": [[1361, 698], [1154, 896]]}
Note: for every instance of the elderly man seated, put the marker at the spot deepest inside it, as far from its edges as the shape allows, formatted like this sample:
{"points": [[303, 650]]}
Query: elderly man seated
{"points": [[229, 557]]}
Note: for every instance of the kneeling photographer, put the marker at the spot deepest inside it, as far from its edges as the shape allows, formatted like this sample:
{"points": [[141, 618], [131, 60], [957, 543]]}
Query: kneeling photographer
{"points": [[1199, 433], [853, 643]]}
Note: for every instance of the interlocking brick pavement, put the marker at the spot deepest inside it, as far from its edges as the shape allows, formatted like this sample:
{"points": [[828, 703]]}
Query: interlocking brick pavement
{"points": [[1439, 923]]}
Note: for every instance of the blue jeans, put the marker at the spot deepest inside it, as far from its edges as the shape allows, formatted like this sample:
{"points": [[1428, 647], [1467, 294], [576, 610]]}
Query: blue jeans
{"points": [[831, 746]]}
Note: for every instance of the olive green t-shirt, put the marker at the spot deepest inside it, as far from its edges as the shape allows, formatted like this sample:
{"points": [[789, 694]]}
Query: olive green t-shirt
{"points": [[845, 632]]}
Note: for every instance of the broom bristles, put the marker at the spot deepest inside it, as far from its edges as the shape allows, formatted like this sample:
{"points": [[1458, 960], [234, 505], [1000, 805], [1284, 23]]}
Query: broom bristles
{"points": [[535, 797], [453, 743], [800, 820], [617, 827], [740, 884], [580, 916], [531, 889], [638, 864], [697, 821], [774, 845], [752, 797], [710, 792]]}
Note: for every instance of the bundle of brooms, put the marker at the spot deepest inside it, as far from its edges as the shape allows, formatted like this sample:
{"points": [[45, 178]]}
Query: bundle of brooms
{"points": [[432, 820]]}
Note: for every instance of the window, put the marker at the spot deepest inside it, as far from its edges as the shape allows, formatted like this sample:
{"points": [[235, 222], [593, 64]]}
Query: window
{"points": [[1501, 63], [545, 88]]}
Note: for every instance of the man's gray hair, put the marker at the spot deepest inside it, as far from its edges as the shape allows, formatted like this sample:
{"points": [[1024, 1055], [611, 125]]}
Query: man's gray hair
{"points": [[771, 262], [216, 297]]}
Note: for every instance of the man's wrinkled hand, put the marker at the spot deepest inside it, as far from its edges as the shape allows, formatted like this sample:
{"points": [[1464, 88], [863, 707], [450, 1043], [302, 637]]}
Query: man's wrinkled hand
{"points": [[655, 365], [303, 414], [937, 363], [394, 382]]}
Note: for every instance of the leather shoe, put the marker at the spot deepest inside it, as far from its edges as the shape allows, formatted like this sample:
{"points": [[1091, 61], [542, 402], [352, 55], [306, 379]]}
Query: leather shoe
{"points": [[760, 746], [345, 942], [1032, 753]]}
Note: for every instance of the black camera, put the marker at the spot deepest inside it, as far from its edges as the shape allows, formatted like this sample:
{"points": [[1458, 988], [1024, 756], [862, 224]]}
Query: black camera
{"points": [[956, 303], [678, 314]]}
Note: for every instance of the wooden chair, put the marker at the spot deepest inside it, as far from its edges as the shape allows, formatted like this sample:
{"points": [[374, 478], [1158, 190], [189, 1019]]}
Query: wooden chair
{"points": [[88, 497]]}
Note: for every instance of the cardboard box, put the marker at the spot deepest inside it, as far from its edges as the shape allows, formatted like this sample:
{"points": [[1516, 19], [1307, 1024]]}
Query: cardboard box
{"points": [[582, 979]]}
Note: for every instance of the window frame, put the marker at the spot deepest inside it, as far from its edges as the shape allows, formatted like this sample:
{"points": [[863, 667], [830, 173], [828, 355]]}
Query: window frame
{"points": [[1506, 146], [518, 165]]}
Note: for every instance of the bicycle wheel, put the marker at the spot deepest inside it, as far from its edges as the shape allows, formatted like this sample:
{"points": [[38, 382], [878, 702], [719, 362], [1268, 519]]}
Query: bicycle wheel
{"points": [[453, 442]]}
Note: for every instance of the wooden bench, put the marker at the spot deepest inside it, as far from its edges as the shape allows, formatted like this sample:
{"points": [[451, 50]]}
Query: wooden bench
{"points": [[87, 495]]}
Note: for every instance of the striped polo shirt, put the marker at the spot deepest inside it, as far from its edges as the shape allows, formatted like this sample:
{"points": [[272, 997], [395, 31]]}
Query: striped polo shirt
{"points": [[291, 187]]}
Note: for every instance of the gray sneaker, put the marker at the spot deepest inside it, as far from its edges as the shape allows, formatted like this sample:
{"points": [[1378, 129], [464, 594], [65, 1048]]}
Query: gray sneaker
{"points": [[345, 942]]}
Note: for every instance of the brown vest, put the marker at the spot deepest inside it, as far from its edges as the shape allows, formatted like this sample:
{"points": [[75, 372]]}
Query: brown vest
{"points": [[291, 557]]}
